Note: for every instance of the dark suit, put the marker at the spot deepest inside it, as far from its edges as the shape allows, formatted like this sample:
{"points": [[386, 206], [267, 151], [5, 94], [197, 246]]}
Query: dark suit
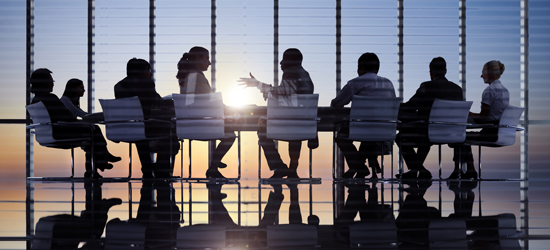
{"points": [[150, 99], [418, 109]]}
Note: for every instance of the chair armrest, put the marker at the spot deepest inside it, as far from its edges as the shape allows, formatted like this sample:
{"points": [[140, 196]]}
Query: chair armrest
{"points": [[452, 123]]}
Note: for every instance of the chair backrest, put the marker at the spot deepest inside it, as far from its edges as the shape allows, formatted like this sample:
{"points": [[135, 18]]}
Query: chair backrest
{"points": [[373, 235], [202, 236], [39, 114], [292, 118], [507, 125], [199, 116], [373, 118], [507, 231], [448, 121], [291, 236], [124, 120], [448, 233]]}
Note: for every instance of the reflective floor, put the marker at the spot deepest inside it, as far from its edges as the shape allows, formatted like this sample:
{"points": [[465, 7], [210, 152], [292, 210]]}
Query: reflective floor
{"points": [[247, 215]]}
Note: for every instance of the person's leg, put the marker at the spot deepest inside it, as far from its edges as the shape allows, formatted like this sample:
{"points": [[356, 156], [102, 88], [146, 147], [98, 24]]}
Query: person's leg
{"points": [[220, 151], [355, 162], [369, 151], [144, 153], [164, 166], [272, 154], [294, 149]]}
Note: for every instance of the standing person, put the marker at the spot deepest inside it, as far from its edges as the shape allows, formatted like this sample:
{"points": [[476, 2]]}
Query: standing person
{"points": [[138, 83], [368, 83], [295, 80], [42, 86], [192, 81], [418, 109], [494, 100], [74, 89]]}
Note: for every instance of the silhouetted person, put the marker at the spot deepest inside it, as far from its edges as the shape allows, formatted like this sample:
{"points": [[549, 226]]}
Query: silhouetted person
{"points": [[295, 80], [368, 83], [218, 213], [74, 89], [138, 83], [494, 100], [192, 81], [42, 86], [66, 231], [418, 109]]}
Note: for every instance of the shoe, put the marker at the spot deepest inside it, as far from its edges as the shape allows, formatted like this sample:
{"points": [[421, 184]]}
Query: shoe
{"points": [[377, 169], [214, 174], [162, 175], [292, 174], [148, 176], [102, 167], [106, 204], [469, 175], [112, 158], [424, 174], [222, 165], [362, 173], [279, 173], [349, 174], [411, 174], [454, 175]]}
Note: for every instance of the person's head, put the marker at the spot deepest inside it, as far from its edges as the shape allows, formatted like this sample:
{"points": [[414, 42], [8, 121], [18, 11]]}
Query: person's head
{"points": [[492, 70], [74, 89], [368, 63], [291, 57], [438, 67], [198, 58], [140, 68], [41, 81]]}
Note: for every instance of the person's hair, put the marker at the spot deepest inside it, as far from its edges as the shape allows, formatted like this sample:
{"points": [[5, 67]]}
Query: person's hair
{"points": [[293, 56], [71, 88], [40, 80], [495, 67], [137, 66], [438, 66], [187, 63], [369, 62]]}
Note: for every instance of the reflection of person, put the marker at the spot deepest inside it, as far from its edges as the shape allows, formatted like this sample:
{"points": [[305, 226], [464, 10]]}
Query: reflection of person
{"points": [[418, 108], [74, 89], [139, 83], [65, 231], [274, 202], [295, 80], [368, 83], [42, 86], [193, 81], [414, 217], [494, 100], [218, 212]]}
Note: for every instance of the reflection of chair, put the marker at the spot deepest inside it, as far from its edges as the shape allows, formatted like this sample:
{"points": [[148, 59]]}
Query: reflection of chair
{"points": [[373, 119], [122, 235], [202, 236], [43, 130], [373, 235], [201, 117], [447, 233], [507, 232], [507, 128], [292, 236], [124, 121], [291, 118]]}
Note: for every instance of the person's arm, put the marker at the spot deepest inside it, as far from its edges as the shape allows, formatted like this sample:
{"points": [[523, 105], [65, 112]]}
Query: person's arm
{"points": [[481, 116], [76, 111], [343, 98]]}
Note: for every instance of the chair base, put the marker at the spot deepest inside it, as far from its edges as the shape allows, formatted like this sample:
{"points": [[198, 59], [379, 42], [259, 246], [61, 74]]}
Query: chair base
{"points": [[290, 181]]}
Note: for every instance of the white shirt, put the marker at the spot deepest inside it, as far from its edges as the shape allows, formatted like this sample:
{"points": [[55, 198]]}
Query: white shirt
{"points": [[76, 111], [496, 96], [369, 84]]}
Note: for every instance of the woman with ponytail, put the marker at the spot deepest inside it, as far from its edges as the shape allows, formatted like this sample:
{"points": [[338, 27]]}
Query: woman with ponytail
{"points": [[494, 100]]}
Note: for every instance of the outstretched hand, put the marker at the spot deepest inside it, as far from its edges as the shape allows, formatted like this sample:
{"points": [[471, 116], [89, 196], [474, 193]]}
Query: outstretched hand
{"points": [[249, 82]]}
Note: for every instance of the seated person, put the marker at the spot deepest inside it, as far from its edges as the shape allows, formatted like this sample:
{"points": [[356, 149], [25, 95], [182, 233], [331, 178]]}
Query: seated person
{"points": [[139, 83], [494, 100], [295, 80], [42, 86], [368, 83], [192, 81], [418, 109]]}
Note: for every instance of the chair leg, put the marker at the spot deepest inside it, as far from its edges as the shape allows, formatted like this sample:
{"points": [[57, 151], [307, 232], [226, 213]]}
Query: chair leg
{"points": [[259, 160], [129, 160], [72, 162], [239, 153], [190, 158], [439, 150], [181, 159], [479, 162], [310, 163]]}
